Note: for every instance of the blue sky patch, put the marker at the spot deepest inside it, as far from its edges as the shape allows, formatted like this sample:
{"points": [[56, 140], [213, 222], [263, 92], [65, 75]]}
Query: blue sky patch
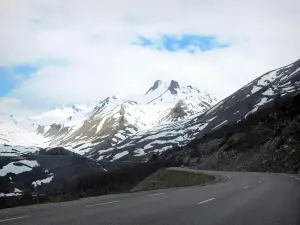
{"points": [[6, 83], [13, 75], [188, 42]]}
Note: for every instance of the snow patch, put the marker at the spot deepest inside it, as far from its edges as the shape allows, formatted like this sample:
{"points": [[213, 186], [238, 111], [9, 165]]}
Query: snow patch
{"points": [[139, 152], [263, 101], [271, 76], [120, 155], [220, 125], [268, 92], [44, 181], [16, 192], [17, 169], [214, 107]]}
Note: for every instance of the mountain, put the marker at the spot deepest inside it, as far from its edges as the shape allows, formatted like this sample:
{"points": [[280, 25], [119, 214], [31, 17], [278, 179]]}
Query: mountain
{"points": [[166, 116], [114, 120], [31, 155], [64, 114], [15, 135], [263, 92], [254, 129], [92, 128]]}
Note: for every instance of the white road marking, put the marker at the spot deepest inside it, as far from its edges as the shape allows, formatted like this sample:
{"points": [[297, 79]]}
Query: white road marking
{"points": [[208, 200], [14, 218], [186, 189], [229, 177], [104, 203], [260, 181], [156, 194], [246, 187], [297, 178]]}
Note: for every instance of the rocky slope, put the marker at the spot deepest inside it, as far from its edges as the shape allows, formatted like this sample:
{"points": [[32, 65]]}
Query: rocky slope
{"points": [[266, 141]]}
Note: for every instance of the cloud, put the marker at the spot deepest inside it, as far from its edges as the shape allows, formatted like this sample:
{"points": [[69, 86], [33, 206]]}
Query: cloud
{"points": [[14, 106], [93, 41]]}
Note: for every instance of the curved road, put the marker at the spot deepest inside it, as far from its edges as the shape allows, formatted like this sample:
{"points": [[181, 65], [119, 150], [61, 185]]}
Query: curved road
{"points": [[242, 199]]}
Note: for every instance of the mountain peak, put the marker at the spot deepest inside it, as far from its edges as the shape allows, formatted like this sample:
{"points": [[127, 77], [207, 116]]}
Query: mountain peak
{"points": [[156, 84], [75, 108], [174, 85]]}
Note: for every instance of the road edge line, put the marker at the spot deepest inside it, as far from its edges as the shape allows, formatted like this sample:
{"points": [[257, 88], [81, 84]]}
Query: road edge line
{"points": [[13, 218], [98, 204]]}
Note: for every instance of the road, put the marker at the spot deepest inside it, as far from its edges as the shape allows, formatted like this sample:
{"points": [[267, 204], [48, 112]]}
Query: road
{"points": [[242, 199]]}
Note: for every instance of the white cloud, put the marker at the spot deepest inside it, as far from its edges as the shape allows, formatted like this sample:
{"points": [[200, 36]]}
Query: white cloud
{"points": [[94, 37], [14, 106]]}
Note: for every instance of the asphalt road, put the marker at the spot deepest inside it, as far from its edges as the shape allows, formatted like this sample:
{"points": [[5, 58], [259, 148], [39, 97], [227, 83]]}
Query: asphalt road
{"points": [[242, 199]]}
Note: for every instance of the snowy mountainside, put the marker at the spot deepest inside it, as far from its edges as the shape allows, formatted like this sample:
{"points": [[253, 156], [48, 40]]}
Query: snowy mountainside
{"points": [[14, 135], [113, 120], [64, 114], [157, 139], [106, 128], [104, 124], [258, 94], [167, 115], [22, 122]]}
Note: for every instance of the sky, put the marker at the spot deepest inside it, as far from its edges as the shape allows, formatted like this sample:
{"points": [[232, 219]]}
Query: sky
{"points": [[61, 52]]}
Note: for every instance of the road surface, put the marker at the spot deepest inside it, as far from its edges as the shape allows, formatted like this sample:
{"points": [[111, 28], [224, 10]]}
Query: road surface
{"points": [[242, 199]]}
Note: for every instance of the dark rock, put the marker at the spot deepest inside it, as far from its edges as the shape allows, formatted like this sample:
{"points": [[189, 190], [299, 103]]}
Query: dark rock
{"points": [[155, 86], [173, 86]]}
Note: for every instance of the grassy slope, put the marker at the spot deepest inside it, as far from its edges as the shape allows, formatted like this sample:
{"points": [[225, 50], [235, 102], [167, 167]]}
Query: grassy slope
{"points": [[165, 178]]}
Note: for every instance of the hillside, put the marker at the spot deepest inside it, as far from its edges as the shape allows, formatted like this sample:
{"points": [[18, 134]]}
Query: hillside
{"points": [[42, 172], [267, 141]]}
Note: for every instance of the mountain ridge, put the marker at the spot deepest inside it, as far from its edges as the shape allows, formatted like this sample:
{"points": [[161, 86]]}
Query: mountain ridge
{"points": [[79, 127], [282, 83], [131, 130]]}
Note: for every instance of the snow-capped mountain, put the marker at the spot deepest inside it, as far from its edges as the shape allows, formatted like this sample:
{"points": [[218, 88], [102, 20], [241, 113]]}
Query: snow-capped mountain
{"points": [[14, 135], [64, 114], [113, 120], [115, 129], [258, 94], [165, 116], [96, 127], [21, 122]]}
